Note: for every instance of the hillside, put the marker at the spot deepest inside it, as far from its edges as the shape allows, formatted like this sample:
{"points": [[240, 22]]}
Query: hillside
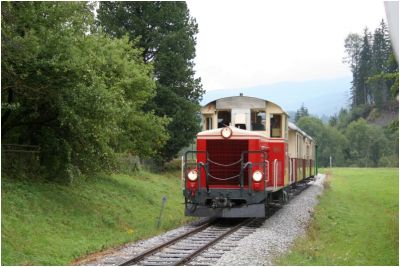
{"points": [[50, 224], [383, 117]]}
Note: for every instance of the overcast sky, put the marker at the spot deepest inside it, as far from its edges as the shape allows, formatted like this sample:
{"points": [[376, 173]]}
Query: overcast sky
{"points": [[247, 43]]}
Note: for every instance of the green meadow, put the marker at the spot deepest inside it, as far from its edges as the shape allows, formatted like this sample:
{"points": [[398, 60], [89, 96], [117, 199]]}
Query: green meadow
{"points": [[50, 224], [355, 223]]}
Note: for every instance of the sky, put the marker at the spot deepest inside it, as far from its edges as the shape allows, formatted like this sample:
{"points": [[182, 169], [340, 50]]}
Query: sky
{"points": [[241, 44]]}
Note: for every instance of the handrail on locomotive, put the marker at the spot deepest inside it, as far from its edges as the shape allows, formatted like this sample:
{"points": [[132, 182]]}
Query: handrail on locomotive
{"points": [[244, 165]]}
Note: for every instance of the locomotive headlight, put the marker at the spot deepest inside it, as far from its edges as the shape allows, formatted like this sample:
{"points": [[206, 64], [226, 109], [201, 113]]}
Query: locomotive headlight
{"points": [[226, 132], [192, 175], [257, 176]]}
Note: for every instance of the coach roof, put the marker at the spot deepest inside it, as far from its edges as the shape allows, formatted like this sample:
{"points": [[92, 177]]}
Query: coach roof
{"points": [[241, 102], [294, 127]]}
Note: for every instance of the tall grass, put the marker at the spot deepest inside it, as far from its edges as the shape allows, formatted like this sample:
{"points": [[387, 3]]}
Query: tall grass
{"points": [[51, 224], [356, 222]]}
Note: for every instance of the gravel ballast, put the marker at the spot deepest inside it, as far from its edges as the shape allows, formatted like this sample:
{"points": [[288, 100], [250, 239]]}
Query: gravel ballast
{"points": [[271, 239], [277, 233]]}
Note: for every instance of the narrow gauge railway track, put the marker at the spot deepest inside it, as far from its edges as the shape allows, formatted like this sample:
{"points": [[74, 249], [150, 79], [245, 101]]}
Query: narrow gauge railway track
{"points": [[186, 248], [182, 249]]}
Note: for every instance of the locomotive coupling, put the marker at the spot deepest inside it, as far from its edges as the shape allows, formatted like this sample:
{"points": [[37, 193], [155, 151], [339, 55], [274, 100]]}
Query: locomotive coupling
{"points": [[221, 202]]}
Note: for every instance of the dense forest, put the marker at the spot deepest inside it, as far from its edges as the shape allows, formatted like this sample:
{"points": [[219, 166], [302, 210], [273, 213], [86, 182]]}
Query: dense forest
{"points": [[367, 133], [82, 90]]}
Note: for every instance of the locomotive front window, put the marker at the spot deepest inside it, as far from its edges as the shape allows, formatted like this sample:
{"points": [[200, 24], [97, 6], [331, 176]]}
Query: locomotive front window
{"points": [[258, 120], [276, 126], [224, 118]]}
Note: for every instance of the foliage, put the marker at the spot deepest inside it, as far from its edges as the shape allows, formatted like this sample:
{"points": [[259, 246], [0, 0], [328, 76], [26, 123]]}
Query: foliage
{"points": [[359, 213], [375, 70], [373, 92], [166, 33], [331, 142], [368, 143], [301, 112], [52, 224], [77, 95], [355, 143]]}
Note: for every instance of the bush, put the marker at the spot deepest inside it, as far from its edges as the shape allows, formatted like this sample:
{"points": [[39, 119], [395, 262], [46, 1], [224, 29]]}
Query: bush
{"points": [[389, 161]]}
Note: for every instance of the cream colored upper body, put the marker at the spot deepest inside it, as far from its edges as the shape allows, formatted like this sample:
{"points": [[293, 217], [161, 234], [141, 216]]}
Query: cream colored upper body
{"points": [[257, 115]]}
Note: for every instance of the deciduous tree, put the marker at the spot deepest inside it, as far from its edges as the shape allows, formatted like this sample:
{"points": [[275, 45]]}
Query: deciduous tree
{"points": [[77, 95], [167, 34]]}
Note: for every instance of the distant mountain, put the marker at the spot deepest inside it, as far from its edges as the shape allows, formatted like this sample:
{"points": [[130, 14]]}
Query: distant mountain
{"points": [[321, 97]]}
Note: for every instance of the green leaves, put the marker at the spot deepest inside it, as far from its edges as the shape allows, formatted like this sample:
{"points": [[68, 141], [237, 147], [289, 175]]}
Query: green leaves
{"points": [[77, 95], [166, 33], [375, 72], [368, 143]]}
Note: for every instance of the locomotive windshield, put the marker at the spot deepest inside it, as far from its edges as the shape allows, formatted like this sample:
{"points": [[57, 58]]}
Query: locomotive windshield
{"points": [[276, 126], [258, 120], [224, 118]]}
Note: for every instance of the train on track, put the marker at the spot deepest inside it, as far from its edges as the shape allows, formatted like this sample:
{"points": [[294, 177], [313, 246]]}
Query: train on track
{"points": [[248, 156]]}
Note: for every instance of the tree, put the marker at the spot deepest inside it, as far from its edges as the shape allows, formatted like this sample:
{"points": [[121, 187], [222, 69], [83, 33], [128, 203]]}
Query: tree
{"points": [[364, 71], [166, 33], [333, 121], [375, 72], [302, 112], [77, 95], [353, 46], [368, 143], [329, 140], [379, 81], [391, 156]]}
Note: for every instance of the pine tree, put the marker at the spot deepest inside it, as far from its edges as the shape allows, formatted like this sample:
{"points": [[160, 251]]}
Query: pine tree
{"points": [[379, 58], [353, 46], [301, 112], [363, 93]]}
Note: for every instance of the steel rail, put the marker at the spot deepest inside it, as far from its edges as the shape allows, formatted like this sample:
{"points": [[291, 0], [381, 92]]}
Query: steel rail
{"points": [[152, 251], [204, 247]]}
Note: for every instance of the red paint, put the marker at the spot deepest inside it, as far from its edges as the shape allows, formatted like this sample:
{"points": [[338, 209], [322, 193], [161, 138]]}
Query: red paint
{"points": [[277, 152], [201, 157]]}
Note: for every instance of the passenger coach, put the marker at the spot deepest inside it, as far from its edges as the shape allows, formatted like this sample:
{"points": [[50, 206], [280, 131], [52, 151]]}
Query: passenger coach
{"points": [[248, 155]]}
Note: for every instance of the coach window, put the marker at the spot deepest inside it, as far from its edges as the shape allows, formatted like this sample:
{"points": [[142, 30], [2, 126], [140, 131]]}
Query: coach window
{"points": [[276, 125], [224, 118], [208, 123], [258, 120]]}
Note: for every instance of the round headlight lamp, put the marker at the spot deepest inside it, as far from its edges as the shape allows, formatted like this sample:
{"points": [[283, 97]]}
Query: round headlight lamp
{"points": [[226, 132], [257, 176], [192, 175]]}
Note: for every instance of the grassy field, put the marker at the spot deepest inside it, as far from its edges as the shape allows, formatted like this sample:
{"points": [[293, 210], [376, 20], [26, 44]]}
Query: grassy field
{"points": [[50, 224], [356, 222]]}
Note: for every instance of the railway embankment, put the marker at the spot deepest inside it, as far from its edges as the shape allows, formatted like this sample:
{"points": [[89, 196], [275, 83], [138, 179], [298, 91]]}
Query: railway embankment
{"points": [[50, 224]]}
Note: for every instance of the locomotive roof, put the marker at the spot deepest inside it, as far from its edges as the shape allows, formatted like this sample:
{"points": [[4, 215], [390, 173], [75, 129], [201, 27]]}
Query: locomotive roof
{"points": [[251, 102], [294, 127]]}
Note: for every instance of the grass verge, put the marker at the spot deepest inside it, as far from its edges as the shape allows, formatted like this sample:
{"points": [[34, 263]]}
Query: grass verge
{"points": [[355, 223], [51, 224]]}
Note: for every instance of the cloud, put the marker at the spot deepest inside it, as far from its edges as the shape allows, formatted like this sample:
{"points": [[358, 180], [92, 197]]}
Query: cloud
{"points": [[247, 43]]}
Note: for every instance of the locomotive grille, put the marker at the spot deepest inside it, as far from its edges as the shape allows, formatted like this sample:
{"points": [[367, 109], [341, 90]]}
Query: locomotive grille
{"points": [[226, 152]]}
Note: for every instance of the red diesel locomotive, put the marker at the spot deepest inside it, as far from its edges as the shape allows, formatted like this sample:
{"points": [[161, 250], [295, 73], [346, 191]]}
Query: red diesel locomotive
{"points": [[247, 157]]}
